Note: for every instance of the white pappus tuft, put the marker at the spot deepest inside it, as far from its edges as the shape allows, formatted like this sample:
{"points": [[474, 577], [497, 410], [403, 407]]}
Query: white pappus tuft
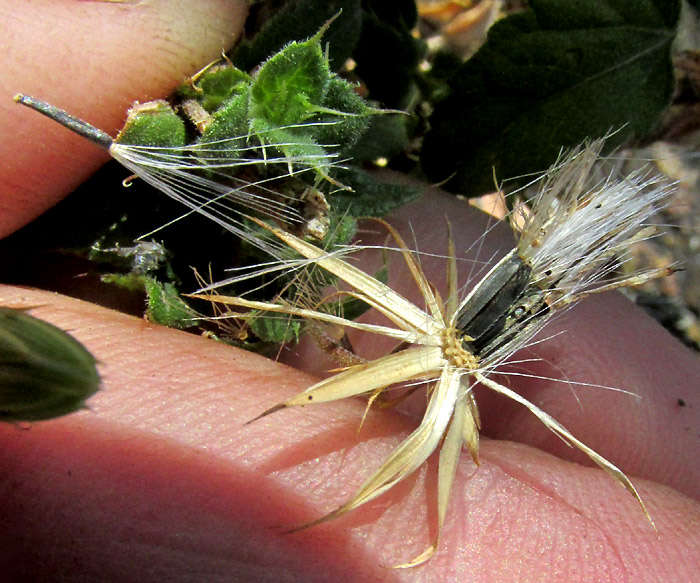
{"points": [[199, 176], [583, 222]]}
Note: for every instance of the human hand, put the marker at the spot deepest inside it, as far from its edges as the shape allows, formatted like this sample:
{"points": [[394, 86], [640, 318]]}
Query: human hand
{"points": [[161, 480]]}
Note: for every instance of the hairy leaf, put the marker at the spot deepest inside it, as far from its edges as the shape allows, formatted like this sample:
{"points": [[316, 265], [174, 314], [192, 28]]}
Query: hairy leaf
{"points": [[547, 78], [300, 19], [369, 196]]}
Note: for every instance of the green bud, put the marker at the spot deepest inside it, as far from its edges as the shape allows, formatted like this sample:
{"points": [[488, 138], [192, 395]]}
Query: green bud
{"points": [[213, 86], [296, 144], [227, 130], [349, 112], [44, 372], [291, 84], [166, 307], [153, 124]]}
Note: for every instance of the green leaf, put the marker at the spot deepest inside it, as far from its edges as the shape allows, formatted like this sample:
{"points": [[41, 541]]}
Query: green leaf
{"points": [[290, 83], [300, 19], [44, 372], [385, 136], [277, 330], [370, 197], [548, 78], [387, 53], [298, 106]]}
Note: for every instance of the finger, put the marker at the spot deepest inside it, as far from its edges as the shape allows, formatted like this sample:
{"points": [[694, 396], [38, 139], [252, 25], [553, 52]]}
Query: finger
{"points": [[93, 59], [160, 479]]}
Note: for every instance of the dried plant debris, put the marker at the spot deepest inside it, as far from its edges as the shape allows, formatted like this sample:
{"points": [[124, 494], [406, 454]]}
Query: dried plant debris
{"points": [[569, 244]]}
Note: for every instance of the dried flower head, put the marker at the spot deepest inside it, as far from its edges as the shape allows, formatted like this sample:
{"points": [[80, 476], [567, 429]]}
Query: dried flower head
{"points": [[576, 232]]}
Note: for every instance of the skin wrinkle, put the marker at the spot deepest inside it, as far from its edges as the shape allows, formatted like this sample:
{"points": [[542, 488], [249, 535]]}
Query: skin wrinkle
{"points": [[564, 505], [648, 412], [528, 545], [523, 477]]}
